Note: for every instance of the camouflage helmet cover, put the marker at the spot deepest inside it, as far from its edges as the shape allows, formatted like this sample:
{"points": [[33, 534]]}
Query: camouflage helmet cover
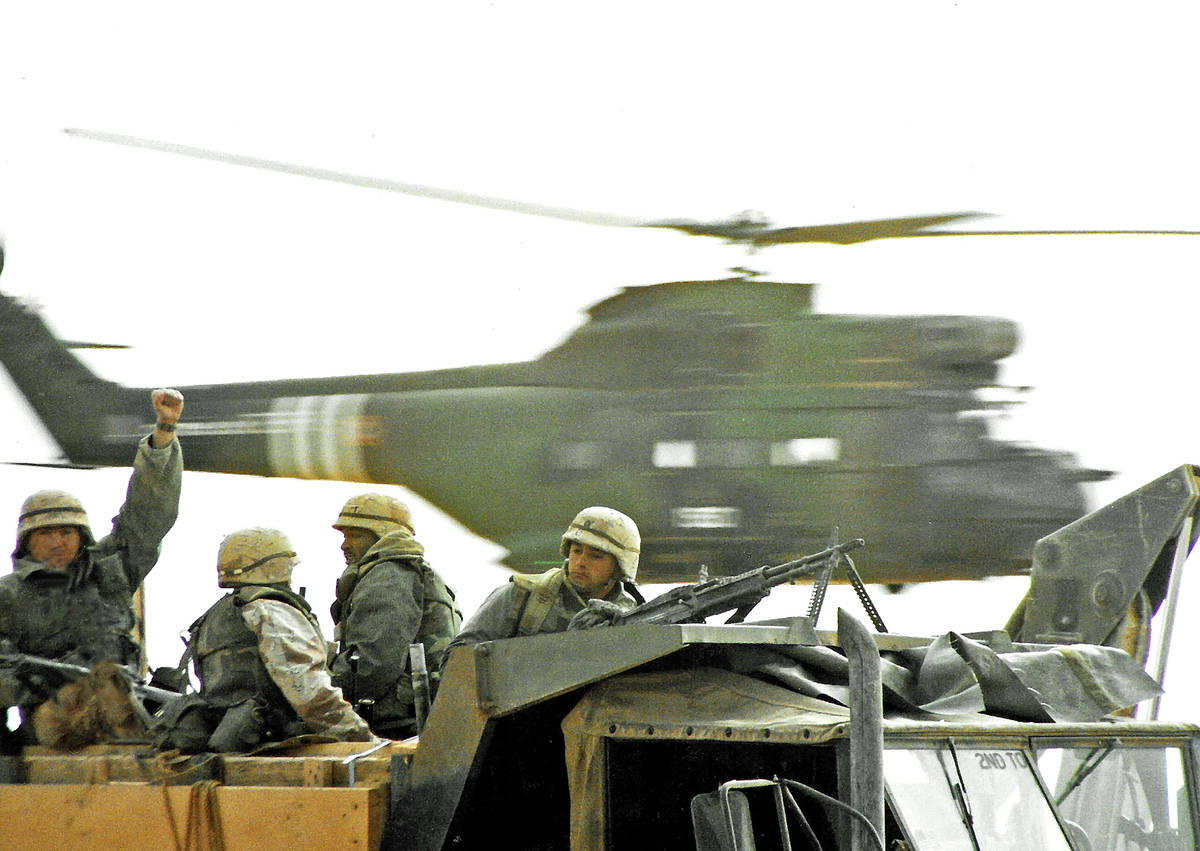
{"points": [[51, 508], [255, 556], [608, 530], [375, 512]]}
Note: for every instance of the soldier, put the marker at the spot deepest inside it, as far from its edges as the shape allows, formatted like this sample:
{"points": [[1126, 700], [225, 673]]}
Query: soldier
{"points": [[260, 658], [600, 557], [69, 597], [388, 597]]}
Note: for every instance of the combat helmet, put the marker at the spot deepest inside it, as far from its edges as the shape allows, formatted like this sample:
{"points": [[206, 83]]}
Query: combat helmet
{"points": [[375, 512], [51, 508], [255, 557], [609, 530]]}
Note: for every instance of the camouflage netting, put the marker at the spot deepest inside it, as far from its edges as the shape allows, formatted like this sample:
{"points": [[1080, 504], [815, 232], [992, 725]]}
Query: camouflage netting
{"points": [[94, 709]]}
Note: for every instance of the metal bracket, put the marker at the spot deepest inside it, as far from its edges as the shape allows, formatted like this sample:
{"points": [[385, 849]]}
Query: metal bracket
{"points": [[821, 585], [353, 759]]}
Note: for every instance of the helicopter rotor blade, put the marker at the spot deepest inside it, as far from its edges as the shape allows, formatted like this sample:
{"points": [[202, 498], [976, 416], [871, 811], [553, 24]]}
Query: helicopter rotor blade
{"points": [[1054, 233], [747, 230], [757, 233], [743, 230], [368, 182]]}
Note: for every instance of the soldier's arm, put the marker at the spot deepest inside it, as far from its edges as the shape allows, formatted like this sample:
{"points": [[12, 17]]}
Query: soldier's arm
{"points": [[494, 619], [11, 690], [294, 655], [383, 620], [152, 497]]}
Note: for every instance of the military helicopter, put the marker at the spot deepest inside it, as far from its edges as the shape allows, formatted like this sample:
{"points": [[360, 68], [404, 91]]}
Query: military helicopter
{"points": [[732, 422]]}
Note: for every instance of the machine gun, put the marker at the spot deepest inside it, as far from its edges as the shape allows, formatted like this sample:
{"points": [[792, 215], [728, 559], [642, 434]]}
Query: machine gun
{"points": [[140, 690], [693, 603]]}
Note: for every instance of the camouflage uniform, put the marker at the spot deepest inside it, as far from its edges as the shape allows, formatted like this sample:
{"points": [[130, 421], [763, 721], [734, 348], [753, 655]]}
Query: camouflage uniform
{"points": [[513, 610], [83, 615], [389, 599], [262, 644]]}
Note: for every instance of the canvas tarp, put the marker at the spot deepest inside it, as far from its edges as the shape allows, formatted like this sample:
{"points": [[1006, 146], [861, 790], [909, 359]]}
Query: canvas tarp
{"points": [[798, 694]]}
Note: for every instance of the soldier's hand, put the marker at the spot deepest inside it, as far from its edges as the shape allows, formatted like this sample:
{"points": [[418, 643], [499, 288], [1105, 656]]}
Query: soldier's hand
{"points": [[597, 613], [168, 405]]}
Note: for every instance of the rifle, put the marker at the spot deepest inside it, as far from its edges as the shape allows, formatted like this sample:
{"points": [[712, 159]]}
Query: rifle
{"points": [[420, 683], [364, 706], [140, 690], [741, 593]]}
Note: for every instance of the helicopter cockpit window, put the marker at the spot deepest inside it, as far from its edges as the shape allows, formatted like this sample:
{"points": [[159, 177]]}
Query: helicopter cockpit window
{"points": [[1121, 795], [949, 798]]}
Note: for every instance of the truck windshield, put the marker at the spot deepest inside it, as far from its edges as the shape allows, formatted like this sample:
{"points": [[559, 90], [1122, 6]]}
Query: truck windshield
{"points": [[949, 798], [1120, 795]]}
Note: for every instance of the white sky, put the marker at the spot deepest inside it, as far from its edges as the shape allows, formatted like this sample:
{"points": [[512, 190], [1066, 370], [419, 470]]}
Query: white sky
{"points": [[1069, 115]]}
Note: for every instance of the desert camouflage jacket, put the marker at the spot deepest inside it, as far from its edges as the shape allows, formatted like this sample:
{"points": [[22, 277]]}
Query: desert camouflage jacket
{"points": [[263, 642]]}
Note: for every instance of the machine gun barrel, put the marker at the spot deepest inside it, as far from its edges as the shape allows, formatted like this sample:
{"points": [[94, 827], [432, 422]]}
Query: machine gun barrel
{"points": [[691, 603], [160, 695]]}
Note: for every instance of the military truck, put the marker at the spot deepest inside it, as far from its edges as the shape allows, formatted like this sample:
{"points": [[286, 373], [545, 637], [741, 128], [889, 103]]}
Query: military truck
{"points": [[778, 735], [763, 735]]}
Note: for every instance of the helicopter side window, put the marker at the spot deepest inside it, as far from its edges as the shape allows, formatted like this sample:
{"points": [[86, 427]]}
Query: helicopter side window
{"points": [[803, 451], [675, 453], [580, 455], [741, 452]]}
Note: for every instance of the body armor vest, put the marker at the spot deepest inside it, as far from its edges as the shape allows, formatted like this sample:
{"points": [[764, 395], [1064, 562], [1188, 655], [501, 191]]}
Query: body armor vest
{"points": [[548, 602], [225, 653]]}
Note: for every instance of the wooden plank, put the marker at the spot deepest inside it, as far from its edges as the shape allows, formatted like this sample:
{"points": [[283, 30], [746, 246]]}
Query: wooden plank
{"points": [[318, 772], [121, 816], [234, 770], [293, 771], [145, 766], [319, 818]]}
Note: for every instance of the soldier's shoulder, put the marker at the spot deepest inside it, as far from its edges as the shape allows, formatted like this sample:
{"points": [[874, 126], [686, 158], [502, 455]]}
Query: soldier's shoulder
{"points": [[385, 570], [10, 583], [532, 581]]}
